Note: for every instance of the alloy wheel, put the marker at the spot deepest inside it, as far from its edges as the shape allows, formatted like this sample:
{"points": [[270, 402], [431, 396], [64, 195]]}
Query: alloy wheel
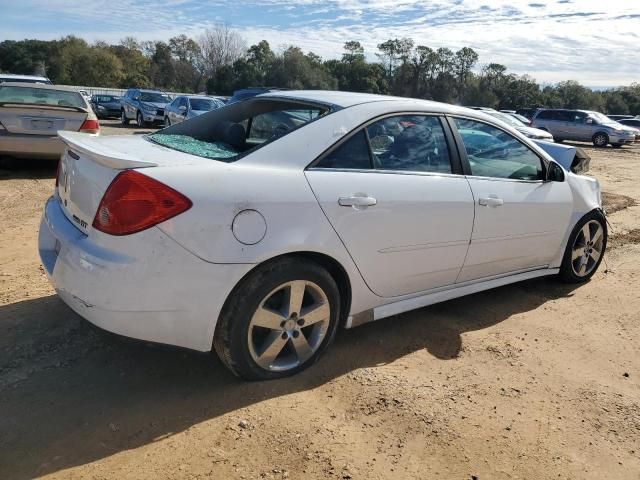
{"points": [[600, 140], [289, 325], [587, 248]]}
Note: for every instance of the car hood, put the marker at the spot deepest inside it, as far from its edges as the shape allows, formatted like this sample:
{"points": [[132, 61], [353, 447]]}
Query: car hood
{"points": [[153, 104], [114, 104]]}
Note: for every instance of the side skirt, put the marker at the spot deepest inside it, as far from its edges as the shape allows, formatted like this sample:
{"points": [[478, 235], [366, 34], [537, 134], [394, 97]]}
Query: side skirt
{"points": [[442, 295]]}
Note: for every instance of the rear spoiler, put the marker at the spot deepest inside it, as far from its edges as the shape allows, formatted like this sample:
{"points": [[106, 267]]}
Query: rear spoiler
{"points": [[43, 105], [90, 147], [573, 159]]}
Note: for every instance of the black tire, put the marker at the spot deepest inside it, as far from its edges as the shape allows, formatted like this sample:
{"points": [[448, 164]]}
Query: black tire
{"points": [[123, 118], [167, 122], [231, 340], [567, 273], [140, 120], [600, 140]]}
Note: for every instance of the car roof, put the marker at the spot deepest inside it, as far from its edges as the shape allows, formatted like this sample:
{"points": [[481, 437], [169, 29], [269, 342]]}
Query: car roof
{"points": [[41, 86], [348, 99], [18, 76]]}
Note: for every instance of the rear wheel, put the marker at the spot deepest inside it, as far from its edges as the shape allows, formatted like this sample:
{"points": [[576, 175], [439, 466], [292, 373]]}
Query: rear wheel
{"points": [[123, 118], [278, 320], [140, 120], [600, 140], [585, 248]]}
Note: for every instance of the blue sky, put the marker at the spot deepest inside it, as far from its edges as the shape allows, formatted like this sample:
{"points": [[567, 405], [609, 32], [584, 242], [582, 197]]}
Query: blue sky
{"points": [[593, 41]]}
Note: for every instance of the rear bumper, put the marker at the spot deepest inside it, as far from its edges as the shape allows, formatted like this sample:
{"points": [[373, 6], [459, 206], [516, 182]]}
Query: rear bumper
{"points": [[30, 146], [150, 288]]}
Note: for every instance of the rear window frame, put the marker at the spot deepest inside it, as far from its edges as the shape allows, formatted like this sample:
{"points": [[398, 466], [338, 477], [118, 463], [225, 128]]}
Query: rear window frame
{"points": [[326, 107]]}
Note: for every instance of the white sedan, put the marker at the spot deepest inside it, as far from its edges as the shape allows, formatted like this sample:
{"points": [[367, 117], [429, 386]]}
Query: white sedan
{"points": [[258, 228]]}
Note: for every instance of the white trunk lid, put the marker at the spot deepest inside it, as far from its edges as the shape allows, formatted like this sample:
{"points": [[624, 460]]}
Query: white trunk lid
{"points": [[91, 162]]}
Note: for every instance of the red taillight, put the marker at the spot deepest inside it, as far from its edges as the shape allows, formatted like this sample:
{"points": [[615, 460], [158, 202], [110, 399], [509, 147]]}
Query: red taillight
{"points": [[90, 126], [134, 202]]}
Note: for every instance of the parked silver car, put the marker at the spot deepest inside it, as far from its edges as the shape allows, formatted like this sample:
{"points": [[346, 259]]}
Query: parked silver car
{"points": [[32, 114], [185, 107], [584, 126]]}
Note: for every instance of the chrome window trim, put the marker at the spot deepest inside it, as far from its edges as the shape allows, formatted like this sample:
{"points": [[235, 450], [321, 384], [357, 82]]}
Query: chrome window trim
{"points": [[386, 172]]}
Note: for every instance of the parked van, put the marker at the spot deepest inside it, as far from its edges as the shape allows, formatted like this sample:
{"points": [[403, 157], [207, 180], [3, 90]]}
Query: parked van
{"points": [[583, 126]]}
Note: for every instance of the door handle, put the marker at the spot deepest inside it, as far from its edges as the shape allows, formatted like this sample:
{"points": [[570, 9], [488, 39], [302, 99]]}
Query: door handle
{"points": [[491, 202], [357, 201]]}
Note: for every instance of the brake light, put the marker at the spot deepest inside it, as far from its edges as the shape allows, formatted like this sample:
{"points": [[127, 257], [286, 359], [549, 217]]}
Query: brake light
{"points": [[134, 202], [90, 126]]}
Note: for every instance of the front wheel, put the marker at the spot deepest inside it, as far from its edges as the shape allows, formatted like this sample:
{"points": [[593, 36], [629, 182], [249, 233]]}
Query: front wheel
{"points": [[123, 118], [140, 120], [167, 122], [585, 248], [600, 140], [278, 320]]}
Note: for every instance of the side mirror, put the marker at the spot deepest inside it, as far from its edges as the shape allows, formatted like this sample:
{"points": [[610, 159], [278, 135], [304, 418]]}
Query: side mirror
{"points": [[182, 108], [136, 98], [555, 173], [589, 121]]}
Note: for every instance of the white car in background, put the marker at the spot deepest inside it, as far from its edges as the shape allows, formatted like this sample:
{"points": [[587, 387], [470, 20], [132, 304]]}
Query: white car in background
{"points": [[530, 132], [31, 114], [258, 228]]}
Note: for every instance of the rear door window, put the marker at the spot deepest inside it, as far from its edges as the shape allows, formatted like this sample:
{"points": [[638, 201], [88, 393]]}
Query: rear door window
{"points": [[411, 143], [352, 154]]}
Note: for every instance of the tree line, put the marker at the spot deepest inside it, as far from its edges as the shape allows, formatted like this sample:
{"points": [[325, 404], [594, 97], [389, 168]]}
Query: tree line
{"points": [[219, 62]]}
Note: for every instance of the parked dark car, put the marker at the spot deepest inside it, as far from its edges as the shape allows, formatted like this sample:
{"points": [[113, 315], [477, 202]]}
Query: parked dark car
{"points": [[633, 122], [143, 106], [527, 112], [106, 106], [251, 92]]}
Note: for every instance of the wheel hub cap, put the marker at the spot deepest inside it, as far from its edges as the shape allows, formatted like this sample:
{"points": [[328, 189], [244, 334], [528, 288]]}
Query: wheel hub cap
{"points": [[289, 325], [587, 248]]}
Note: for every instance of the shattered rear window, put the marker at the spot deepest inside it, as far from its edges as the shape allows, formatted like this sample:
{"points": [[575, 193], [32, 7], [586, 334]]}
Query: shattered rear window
{"points": [[187, 144]]}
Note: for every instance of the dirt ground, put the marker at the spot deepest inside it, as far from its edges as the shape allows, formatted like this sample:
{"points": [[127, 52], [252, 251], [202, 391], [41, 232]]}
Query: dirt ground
{"points": [[537, 380]]}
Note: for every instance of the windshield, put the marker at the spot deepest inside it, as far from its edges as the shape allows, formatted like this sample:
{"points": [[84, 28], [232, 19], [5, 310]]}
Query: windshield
{"points": [[34, 95], [600, 118], [522, 118], [107, 99], [506, 118], [226, 134], [154, 97], [203, 104]]}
